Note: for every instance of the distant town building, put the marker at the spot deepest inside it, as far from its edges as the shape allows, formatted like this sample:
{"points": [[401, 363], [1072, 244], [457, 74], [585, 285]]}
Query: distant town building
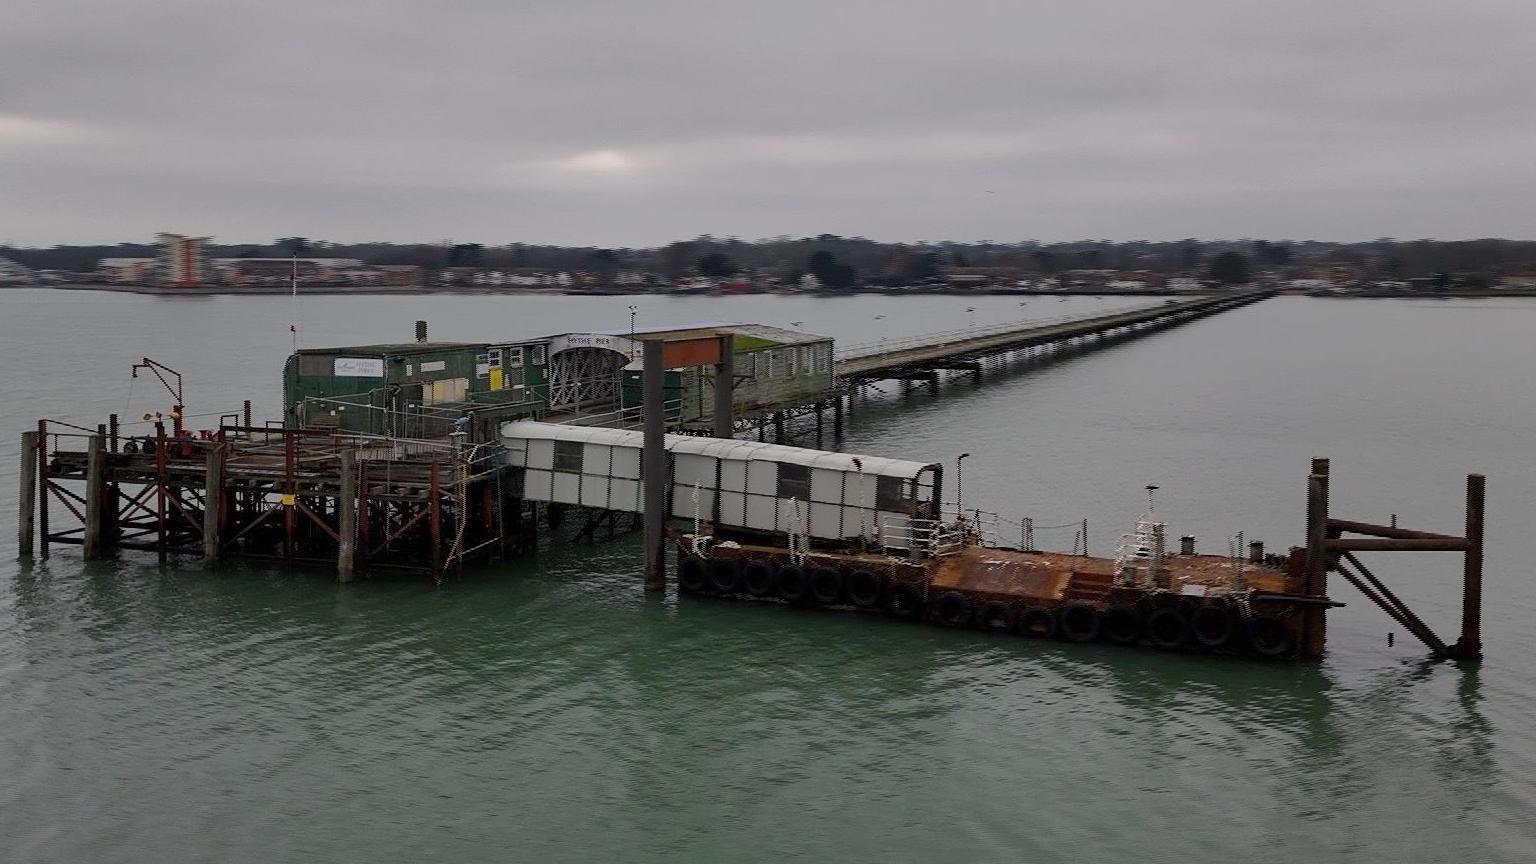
{"points": [[12, 273], [181, 263], [126, 271]]}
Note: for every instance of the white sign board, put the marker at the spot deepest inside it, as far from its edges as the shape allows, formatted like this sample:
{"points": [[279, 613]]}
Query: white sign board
{"points": [[591, 340], [434, 365], [359, 367]]}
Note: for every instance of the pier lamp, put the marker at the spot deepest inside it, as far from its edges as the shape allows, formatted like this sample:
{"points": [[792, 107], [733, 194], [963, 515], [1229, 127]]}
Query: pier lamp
{"points": [[959, 498]]}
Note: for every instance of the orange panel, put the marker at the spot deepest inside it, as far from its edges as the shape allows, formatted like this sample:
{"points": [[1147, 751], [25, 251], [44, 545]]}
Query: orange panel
{"points": [[691, 352]]}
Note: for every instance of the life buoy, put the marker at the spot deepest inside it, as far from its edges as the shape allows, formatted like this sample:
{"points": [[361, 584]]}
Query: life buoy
{"points": [[1168, 629], [1036, 622], [826, 585], [757, 578], [994, 616], [864, 588], [904, 599], [1213, 626], [1122, 625], [952, 609], [692, 574], [1078, 622], [724, 575], [1268, 637], [792, 583]]}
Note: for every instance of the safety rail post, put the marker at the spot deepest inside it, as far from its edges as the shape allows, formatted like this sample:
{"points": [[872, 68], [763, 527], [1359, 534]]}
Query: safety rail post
{"points": [[95, 490], [26, 501], [1470, 645]]}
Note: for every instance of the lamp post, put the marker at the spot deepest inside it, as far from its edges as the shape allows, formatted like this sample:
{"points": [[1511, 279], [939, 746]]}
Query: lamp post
{"points": [[959, 489]]}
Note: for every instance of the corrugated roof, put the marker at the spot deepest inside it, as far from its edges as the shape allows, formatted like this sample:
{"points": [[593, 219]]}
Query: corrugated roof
{"points": [[720, 448], [395, 348], [712, 328]]}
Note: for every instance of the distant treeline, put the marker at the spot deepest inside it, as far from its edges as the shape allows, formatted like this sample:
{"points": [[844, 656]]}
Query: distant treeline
{"points": [[835, 259]]}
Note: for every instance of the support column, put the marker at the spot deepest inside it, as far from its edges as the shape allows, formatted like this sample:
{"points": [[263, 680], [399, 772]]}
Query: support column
{"points": [[654, 466], [1314, 627], [26, 500], [435, 520], [346, 517], [213, 505], [1470, 645], [837, 417], [95, 489], [778, 427], [40, 471], [725, 382]]}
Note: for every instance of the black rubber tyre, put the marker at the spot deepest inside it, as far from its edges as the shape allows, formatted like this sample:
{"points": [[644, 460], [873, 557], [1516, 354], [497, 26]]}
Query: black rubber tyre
{"points": [[725, 575], [952, 609], [1037, 623], [1268, 637], [994, 616], [757, 579], [904, 599], [865, 589], [826, 585], [1122, 625], [792, 583], [1168, 629], [1213, 626], [1078, 622], [692, 574]]}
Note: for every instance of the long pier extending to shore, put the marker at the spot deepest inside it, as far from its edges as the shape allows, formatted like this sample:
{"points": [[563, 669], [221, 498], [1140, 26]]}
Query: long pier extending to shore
{"points": [[302, 495]]}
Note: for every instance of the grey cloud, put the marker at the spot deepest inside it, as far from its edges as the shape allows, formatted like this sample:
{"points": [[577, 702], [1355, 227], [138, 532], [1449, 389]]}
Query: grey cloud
{"points": [[622, 123]]}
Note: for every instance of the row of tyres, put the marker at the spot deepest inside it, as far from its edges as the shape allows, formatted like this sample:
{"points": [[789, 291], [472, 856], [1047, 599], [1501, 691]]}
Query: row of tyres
{"points": [[1163, 621]]}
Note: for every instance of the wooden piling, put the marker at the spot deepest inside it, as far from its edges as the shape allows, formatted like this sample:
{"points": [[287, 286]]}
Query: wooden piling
{"points": [[1314, 629], [95, 491], [837, 417], [653, 468], [725, 380], [346, 518], [1470, 645], [213, 505], [40, 471], [26, 501], [778, 427]]}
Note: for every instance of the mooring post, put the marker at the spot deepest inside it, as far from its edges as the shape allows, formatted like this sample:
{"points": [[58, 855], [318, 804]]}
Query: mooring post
{"points": [[213, 504], [95, 490], [26, 500], [40, 471], [654, 466], [1470, 645], [1314, 627], [346, 517], [725, 383]]}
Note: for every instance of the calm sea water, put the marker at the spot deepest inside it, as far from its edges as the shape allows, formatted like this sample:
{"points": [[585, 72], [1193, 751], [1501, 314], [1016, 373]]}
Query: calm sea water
{"points": [[549, 711]]}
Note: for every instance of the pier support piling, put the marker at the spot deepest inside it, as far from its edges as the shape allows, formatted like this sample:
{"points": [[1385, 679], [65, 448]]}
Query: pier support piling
{"points": [[346, 518], [213, 505], [95, 491], [725, 380], [654, 466], [1470, 645], [26, 501]]}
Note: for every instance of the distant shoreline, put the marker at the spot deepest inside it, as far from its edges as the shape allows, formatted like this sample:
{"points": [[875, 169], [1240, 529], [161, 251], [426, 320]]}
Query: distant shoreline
{"points": [[421, 290]]}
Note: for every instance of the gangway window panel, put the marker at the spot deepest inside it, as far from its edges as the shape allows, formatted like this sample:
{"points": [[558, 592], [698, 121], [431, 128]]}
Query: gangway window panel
{"points": [[742, 485]]}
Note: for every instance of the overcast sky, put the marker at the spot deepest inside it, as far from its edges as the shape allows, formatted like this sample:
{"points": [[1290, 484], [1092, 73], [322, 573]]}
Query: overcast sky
{"points": [[636, 122]]}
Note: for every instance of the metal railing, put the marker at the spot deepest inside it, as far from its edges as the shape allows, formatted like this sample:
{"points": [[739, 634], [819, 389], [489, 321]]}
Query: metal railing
{"points": [[924, 538]]}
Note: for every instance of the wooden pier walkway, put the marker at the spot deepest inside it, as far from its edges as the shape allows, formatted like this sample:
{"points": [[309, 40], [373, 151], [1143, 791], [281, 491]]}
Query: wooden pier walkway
{"points": [[919, 357]]}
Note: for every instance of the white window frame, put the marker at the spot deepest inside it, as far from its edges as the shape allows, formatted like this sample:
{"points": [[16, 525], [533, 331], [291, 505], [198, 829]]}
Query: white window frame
{"points": [[514, 358], [536, 355]]}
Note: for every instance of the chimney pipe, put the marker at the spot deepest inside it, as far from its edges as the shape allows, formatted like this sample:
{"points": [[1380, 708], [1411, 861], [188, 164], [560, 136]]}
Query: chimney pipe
{"points": [[1187, 545], [1256, 552], [421, 331]]}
